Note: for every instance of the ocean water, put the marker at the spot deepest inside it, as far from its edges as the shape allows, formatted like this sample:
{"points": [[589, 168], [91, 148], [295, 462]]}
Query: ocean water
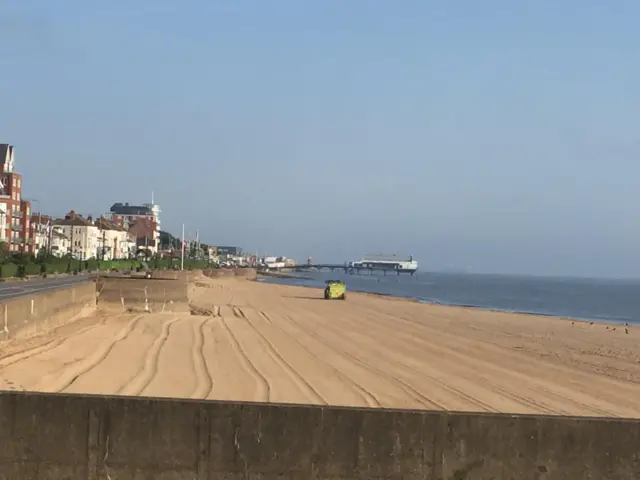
{"points": [[587, 299]]}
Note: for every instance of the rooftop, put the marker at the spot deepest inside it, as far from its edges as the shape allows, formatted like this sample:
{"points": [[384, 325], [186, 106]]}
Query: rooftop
{"points": [[385, 258], [126, 209], [74, 219], [104, 224]]}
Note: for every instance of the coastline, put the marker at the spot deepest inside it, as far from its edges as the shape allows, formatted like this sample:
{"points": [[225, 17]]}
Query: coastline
{"points": [[427, 302]]}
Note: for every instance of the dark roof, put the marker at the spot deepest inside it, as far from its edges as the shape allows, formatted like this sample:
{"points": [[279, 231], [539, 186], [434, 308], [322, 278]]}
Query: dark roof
{"points": [[72, 218], [385, 258], [38, 218], [126, 209], [104, 224], [4, 148]]}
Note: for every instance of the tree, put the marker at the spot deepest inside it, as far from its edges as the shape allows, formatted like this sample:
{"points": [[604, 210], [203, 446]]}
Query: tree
{"points": [[5, 253], [168, 241]]}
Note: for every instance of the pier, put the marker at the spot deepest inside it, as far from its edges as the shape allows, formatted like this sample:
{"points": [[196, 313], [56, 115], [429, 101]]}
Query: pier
{"points": [[346, 268]]}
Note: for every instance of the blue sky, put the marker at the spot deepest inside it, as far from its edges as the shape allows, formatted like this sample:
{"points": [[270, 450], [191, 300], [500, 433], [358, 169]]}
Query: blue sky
{"points": [[483, 136]]}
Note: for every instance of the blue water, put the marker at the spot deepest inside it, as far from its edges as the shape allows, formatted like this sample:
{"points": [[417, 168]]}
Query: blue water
{"points": [[588, 299]]}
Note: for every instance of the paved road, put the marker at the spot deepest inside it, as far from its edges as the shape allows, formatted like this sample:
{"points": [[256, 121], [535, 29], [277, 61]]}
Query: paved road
{"points": [[40, 285]]}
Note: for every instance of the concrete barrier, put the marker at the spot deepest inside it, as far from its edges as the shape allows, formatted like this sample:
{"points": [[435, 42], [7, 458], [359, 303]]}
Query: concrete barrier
{"points": [[135, 294], [247, 273], [30, 315], [57, 436]]}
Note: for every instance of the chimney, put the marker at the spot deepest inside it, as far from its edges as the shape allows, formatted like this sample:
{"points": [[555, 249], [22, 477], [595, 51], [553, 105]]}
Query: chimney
{"points": [[90, 218]]}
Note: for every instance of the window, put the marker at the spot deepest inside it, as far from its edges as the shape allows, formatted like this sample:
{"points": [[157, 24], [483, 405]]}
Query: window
{"points": [[18, 183], [14, 181]]}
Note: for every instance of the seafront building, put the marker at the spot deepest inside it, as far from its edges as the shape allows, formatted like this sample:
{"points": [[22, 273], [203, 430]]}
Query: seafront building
{"points": [[82, 234], [142, 220], [114, 241], [15, 211]]}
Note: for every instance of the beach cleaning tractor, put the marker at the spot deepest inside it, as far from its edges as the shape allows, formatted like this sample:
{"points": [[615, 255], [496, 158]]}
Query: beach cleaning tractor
{"points": [[335, 290]]}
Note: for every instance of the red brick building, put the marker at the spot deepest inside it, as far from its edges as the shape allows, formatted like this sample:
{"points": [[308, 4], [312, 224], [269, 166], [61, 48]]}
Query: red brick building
{"points": [[15, 212]]}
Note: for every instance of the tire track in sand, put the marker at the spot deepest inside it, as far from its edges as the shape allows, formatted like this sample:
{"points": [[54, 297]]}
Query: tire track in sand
{"points": [[142, 379], [444, 386], [305, 387], [401, 384], [487, 366], [263, 389], [204, 382], [369, 399], [58, 383], [31, 352], [407, 341]]}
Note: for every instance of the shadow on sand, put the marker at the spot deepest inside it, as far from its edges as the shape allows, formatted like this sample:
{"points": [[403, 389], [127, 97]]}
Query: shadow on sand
{"points": [[303, 297]]}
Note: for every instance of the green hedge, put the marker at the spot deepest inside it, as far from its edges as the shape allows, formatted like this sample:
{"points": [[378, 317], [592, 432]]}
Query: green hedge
{"points": [[57, 267], [69, 265], [119, 265], [8, 270], [32, 269]]}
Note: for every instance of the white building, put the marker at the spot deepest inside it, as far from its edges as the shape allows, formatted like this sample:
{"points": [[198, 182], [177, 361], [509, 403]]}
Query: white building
{"points": [[82, 234], [47, 237], [60, 243], [114, 241]]}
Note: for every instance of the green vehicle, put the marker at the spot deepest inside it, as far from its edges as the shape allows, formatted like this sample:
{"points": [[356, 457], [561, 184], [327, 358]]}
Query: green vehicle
{"points": [[335, 290]]}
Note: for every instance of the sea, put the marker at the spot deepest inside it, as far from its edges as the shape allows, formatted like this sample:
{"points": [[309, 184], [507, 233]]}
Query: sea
{"points": [[607, 300]]}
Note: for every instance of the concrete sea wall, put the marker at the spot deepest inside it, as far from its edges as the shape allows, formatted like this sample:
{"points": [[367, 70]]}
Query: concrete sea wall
{"points": [[136, 294], [30, 315], [246, 273], [49, 436]]}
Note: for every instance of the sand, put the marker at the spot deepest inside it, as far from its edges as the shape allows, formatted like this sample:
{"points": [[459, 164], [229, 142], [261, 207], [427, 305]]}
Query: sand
{"points": [[258, 342]]}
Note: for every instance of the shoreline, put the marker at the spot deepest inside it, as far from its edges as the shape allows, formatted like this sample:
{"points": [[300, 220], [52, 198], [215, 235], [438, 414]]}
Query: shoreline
{"points": [[427, 302]]}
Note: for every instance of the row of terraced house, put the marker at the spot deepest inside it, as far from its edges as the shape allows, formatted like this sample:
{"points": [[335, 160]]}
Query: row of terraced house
{"points": [[123, 232]]}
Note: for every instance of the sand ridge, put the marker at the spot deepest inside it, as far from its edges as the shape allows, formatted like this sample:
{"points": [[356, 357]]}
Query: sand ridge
{"points": [[258, 342]]}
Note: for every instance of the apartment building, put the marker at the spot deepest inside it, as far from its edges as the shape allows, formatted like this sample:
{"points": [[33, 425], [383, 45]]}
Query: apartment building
{"points": [[82, 234], [114, 241], [142, 220], [48, 237], [15, 211]]}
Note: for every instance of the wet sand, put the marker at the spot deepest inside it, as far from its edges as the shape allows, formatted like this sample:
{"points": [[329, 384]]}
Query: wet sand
{"points": [[272, 343]]}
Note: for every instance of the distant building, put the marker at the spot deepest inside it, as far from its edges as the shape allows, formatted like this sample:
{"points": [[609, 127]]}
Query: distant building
{"points": [[142, 220], [82, 234], [40, 232], [114, 241], [15, 212], [60, 243], [144, 232], [229, 251]]}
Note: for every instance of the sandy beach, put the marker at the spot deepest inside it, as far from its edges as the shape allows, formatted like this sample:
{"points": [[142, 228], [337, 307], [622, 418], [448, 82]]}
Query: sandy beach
{"points": [[251, 341]]}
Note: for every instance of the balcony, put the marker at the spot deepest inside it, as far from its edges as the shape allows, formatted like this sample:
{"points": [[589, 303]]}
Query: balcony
{"points": [[16, 227], [16, 214]]}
